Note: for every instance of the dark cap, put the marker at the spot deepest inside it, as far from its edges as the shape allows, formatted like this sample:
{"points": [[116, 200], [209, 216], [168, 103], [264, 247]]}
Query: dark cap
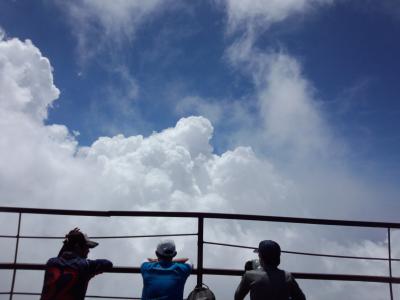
{"points": [[270, 252], [75, 236]]}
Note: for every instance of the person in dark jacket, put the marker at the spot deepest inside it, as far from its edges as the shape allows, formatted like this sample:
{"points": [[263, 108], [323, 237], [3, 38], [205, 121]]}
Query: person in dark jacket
{"points": [[266, 281], [67, 275]]}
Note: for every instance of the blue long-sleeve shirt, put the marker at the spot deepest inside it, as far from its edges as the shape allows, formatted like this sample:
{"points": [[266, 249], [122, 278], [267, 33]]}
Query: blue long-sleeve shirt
{"points": [[164, 280]]}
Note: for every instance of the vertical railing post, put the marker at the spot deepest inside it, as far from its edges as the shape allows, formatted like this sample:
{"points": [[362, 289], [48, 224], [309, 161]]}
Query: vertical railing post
{"points": [[200, 243], [390, 264], [15, 256]]}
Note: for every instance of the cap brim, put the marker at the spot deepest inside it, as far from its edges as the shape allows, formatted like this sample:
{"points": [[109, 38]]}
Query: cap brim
{"points": [[91, 244]]}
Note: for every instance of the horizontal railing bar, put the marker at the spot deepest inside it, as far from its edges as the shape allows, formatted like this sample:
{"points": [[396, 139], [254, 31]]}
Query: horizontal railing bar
{"points": [[98, 237], [86, 296], [231, 272], [109, 297], [113, 213], [45, 211], [42, 267], [209, 243], [314, 276], [142, 236], [307, 253]]}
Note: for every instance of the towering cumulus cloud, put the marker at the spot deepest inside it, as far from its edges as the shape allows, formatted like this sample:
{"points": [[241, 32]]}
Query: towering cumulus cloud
{"points": [[26, 80], [174, 169], [34, 157]]}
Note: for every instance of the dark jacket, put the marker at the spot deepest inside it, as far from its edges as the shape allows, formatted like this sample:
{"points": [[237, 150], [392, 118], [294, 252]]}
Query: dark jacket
{"points": [[68, 275], [269, 284]]}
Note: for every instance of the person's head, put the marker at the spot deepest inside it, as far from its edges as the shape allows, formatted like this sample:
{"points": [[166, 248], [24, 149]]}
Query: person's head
{"points": [[77, 242], [269, 253], [166, 250]]}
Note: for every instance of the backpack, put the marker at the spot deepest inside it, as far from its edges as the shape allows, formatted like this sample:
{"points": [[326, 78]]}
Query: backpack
{"points": [[201, 293]]}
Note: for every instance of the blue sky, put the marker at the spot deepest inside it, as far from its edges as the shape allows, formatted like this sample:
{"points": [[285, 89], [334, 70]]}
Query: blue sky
{"points": [[348, 51], [130, 82]]}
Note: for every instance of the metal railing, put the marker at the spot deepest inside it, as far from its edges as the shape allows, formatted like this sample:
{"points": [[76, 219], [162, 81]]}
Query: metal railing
{"points": [[199, 271]]}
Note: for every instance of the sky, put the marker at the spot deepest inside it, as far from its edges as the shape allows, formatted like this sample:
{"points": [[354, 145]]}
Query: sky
{"points": [[275, 107]]}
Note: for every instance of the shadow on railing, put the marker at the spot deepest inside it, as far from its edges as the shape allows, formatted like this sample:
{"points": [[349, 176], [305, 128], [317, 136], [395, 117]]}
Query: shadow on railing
{"points": [[200, 271]]}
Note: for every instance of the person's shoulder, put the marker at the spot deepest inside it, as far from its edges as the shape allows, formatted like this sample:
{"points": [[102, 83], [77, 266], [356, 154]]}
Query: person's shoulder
{"points": [[183, 268], [288, 275], [254, 274], [147, 265], [53, 261], [183, 265]]}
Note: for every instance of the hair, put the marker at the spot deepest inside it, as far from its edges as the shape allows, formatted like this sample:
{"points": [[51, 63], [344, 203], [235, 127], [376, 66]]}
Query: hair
{"points": [[69, 246], [66, 247], [270, 260], [162, 257]]}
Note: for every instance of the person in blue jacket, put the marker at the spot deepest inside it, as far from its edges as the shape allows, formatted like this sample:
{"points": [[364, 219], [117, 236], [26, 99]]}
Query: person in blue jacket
{"points": [[164, 277], [67, 275]]}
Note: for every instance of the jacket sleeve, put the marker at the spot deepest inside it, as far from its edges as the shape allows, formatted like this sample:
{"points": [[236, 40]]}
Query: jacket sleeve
{"points": [[187, 268], [98, 266], [295, 292], [243, 288]]}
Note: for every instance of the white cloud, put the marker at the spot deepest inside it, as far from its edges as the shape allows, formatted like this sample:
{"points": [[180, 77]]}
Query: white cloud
{"points": [[256, 14], [293, 132], [223, 113], [102, 23], [2, 33], [174, 169], [28, 87], [288, 109]]}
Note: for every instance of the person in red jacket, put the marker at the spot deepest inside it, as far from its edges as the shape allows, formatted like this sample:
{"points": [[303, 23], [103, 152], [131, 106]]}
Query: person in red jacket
{"points": [[67, 275]]}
